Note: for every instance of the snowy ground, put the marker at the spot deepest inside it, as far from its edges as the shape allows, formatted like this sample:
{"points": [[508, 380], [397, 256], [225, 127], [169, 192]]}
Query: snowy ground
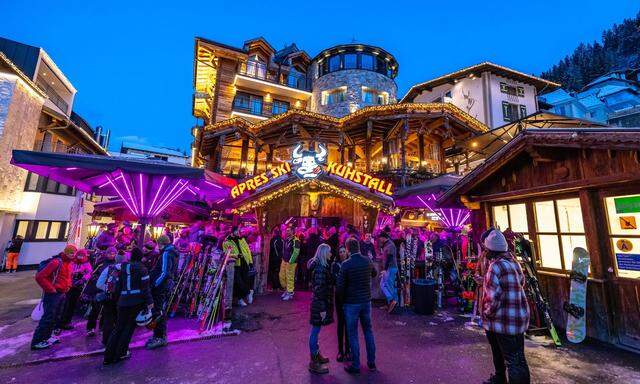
{"points": [[273, 349]]}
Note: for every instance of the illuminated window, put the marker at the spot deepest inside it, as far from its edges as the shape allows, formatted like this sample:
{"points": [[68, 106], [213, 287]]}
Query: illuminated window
{"points": [[39, 230], [42, 184], [560, 229], [371, 96], [623, 213], [513, 216], [279, 107], [334, 96]]}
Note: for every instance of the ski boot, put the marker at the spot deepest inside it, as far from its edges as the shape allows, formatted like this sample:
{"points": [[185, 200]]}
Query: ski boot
{"points": [[315, 366]]}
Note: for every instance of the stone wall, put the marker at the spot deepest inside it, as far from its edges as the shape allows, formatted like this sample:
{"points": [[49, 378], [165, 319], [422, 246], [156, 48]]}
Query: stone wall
{"points": [[20, 110], [354, 80]]}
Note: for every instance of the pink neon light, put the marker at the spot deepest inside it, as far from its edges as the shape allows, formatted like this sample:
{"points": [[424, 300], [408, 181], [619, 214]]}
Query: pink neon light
{"points": [[174, 197], [141, 196], [120, 194], [212, 184], [153, 202], [133, 200], [164, 198]]}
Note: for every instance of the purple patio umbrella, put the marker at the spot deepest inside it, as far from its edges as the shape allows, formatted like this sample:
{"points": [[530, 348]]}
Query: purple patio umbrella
{"points": [[147, 187]]}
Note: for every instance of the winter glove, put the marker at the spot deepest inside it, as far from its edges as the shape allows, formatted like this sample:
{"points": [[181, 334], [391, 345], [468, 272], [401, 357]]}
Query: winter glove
{"points": [[323, 315]]}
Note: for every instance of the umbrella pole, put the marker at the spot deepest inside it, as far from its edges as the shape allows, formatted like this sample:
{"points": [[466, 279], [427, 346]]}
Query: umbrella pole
{"points": [[143, 229]]}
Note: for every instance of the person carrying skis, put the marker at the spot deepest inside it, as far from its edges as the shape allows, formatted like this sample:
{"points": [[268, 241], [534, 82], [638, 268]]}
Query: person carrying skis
{"points": [[133, 295], [239, 249], [162, 278], [505, 311], [13, 252], [288, 265], [80, 273], [55, 280], [321, 307]]}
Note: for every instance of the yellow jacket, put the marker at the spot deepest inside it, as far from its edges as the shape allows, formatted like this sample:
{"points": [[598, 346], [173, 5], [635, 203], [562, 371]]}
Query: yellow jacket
{"points": [[230, 244]]}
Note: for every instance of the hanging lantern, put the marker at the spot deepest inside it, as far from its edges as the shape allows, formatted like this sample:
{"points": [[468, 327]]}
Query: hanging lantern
{"points": [[157, 231], [93, 229]]}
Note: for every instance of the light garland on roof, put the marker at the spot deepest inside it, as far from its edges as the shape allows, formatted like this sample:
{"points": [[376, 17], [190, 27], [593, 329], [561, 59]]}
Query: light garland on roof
{"points": [[366, 111], [263, 200]]}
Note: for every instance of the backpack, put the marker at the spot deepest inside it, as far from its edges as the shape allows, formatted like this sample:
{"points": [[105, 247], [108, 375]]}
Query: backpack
{"points": [[111, 284], [42, 265]]}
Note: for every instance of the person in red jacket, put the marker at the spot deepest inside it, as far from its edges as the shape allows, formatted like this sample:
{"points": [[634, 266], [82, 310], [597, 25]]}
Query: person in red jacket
{"points": [[55, 281]]}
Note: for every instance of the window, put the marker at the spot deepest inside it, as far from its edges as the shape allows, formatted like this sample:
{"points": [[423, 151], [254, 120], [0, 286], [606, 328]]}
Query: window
{"points": [[366, 61], [371, 96], [41, 230], [513, 216], [509, 111], [381, 65], [334, 96], [248, 103], [623, 213], [334, 63], [520, 91], [561, 110], [36, 183], [508, 89], [559, 229], [523, 111], [279, 107], [350, 61]]}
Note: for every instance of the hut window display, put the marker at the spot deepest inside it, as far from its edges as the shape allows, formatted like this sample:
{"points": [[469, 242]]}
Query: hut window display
{"points": [[513, 216], [559, 229], [623, 213]]}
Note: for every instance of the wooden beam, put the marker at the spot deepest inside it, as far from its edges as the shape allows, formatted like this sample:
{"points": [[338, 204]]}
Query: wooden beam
{"points": [[367, 147], [403, 150]]}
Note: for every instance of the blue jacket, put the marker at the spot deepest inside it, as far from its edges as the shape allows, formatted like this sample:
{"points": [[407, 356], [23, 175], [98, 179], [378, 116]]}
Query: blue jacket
{"points": [[165, 267]]}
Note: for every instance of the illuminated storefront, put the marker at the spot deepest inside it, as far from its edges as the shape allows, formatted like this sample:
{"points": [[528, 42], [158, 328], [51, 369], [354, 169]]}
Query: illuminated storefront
{"points": [[567, 188]]}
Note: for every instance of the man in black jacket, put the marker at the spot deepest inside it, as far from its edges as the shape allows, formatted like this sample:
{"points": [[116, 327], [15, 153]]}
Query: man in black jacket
{"points": [[354, 287], [162, 277], [276, 246]]}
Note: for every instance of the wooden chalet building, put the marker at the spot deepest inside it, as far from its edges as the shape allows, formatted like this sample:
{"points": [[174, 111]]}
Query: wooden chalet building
{"points": [[565, 188]]}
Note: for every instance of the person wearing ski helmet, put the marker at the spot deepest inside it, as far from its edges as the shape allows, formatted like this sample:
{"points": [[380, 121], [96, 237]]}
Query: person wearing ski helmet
{"points": [[134, 295], [162, 278], [81, 271], [505, 311], [238, 248]]}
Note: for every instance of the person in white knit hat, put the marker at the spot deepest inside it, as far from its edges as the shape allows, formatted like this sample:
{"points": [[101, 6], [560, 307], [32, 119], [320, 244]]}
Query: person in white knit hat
{"points": [[505, 311]]}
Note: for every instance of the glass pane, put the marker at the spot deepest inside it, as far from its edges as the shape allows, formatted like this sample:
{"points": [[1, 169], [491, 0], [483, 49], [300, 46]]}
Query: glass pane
{"points": [[334, 63], [54, 231], [350, 60], [501, 217], [570, 215], [366, 61], [41, 230], [22, 228], [32, 185], [52, 186], [549, 251], [627, 251], [624, 215], [569, 242], [518, 216], [545, 216]]}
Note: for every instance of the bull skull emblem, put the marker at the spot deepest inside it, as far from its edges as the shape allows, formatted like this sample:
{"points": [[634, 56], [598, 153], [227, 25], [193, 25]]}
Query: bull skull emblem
{"points": [[307, 163]]}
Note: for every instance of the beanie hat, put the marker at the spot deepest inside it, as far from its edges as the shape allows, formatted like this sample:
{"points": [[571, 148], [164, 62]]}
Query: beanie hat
{"points": [[150, 245], [70, 250], [495, 241], [163, 240]]}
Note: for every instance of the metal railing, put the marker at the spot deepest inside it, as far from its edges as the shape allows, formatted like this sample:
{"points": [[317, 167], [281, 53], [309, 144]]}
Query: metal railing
{"points": [[54, 97], [260, 71]]}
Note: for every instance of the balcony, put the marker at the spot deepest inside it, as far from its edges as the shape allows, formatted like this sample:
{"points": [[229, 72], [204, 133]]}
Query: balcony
{"points": [[54, 97], [255, 75]]}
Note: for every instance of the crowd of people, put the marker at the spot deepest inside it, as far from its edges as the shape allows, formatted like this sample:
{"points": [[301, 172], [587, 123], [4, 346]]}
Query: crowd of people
{"points": [[123, 284], [118, 284]]}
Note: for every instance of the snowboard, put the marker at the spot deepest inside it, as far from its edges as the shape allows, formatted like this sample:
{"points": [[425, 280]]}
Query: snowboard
{"points": [[577, 305]]}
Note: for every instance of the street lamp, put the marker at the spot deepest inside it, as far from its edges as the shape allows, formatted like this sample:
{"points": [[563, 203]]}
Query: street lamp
{"points": [[93, 229]]}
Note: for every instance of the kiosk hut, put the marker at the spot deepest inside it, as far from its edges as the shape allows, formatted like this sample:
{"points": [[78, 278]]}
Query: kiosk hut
{"points": [[564, 188]]}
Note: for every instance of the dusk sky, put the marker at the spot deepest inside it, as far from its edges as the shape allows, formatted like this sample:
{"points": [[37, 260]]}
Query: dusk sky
{"points": [[132, 62]]}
